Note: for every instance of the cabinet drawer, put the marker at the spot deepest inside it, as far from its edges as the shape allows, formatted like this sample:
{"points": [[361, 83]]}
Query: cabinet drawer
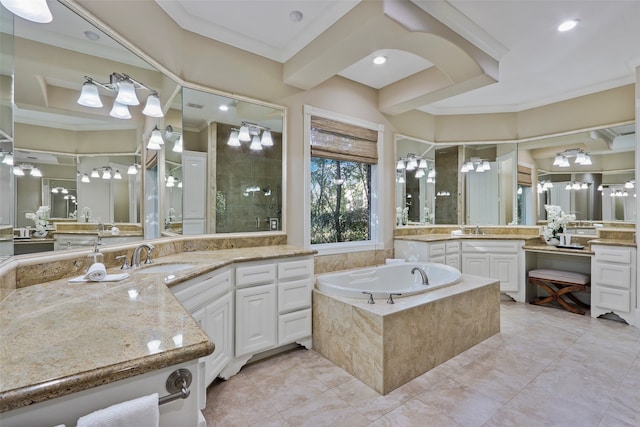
{"points": [[295, 269], [618, 255], [255, 274], [436, 249], [294, 295], [492, 246], [616, 275], [611, 299], [294, 326], [452, 247], [198, 291]]}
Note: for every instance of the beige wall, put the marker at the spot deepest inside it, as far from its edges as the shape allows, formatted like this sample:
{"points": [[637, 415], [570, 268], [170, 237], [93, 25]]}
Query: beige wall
{"points": [[221, 67]]}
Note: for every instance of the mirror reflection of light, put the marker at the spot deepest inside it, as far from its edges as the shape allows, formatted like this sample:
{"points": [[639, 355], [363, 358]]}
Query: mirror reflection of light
{"points": [[133, 294], [154, 346]]}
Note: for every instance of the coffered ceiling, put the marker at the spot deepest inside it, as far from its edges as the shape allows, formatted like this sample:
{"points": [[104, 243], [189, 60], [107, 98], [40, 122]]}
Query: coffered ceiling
{"points": [[537, 64]]}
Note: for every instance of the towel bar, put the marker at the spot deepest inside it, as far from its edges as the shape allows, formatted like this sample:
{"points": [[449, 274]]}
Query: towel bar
{"points": [[177, 385]]}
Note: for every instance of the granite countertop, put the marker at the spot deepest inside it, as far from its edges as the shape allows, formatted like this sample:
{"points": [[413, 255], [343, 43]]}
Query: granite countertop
{"points": [[58, 338], [543, 247], [613, 242]]}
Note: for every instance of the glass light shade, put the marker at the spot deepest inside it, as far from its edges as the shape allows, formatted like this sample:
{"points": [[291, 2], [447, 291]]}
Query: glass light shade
{"points": [[117, 175], [120, 111], [255, 143], [152, 107], [600, 187], [127, 94], [486, 165], [401, 180], [177, 146], [243, 135], [106, 174], [85, 178], [156, 137], [431, 174], [564, 163], [54, 190], [400, 165], [557, 160], [266, 139], [464, 168], [31, 10], [423, 164], [233, 139], [8, 159], [95, 173], [132, 170], [35, 172], [568, 186], [17, 171], [628, 184], [419, 173], [153, 145], [576, 186], [412, 164], [580, 158], [180, 184], [584, 186], [170, 183], [587, 160], [65, 191], [480, 167], [89, 97], [625, 194]]}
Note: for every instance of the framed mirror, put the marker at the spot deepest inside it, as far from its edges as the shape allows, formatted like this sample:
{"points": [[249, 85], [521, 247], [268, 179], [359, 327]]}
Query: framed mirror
{"points": [[236, 147], [97, 150], [415, 181], [590, 174]]}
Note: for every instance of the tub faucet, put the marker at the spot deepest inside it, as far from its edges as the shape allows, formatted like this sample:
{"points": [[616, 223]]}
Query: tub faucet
{"points": [[425, 279], [135, 258]]}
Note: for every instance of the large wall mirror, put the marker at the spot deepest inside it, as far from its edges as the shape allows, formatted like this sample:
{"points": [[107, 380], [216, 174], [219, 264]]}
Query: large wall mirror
{"points": [[232, 165], [455, 184], [84, 162], [590, 174]]}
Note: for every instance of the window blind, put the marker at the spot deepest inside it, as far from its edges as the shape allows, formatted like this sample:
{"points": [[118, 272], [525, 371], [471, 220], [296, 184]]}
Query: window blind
{"points": [[335, 140], [524, 176]]}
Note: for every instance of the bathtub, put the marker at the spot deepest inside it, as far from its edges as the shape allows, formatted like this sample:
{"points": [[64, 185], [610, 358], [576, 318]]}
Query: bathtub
{"points": [[386, 279]]}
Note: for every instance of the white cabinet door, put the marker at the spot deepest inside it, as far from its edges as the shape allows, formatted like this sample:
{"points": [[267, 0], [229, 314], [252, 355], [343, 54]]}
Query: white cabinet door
{"points": [[453, 260], [219, 327], [256, 319], [505, 269], [194, 176], [476, 264]]}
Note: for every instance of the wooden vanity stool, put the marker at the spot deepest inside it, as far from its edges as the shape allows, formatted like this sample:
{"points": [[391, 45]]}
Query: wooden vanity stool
{"points": [[560, 285]]}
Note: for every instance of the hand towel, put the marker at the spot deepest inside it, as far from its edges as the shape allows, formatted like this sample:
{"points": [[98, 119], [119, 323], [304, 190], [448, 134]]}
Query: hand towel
{"points": [[96, 272], [140, 412], [457, 233], [107, 278]]}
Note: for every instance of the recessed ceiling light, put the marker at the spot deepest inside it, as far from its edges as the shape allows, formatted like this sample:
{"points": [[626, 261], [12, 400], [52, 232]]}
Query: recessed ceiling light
{"points": [[223, 108], [568, 25], [91, 35], [379, 60], [295, 16]]}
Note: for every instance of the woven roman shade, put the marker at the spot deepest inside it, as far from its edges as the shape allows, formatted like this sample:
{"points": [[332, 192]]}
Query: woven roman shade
{"points": [[524, 176], [335, 140]]}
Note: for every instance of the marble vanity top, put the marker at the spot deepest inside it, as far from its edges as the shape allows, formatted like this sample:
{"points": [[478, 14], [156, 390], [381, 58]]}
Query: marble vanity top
{"points": [[57, 338], [446, 237]]}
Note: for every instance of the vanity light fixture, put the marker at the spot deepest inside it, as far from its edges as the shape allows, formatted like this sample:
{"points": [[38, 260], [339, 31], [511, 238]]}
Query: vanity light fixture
{"points": [[582, 158], [117, 175], [630, 184], [600, 187], [56, 190], [31, 10], [36, 172], [171, 181], [475, 164], [420, 173], [85, 178], [125, 88], [17, 171], [259, 136], [8, 159], [95, 173], [133, 169], [177, 146], [400, 165], [106, 173], [412, 164], [577, 185]]}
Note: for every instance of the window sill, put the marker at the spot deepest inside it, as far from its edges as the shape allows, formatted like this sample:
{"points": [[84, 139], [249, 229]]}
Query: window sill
{"points": [[346, 247]]}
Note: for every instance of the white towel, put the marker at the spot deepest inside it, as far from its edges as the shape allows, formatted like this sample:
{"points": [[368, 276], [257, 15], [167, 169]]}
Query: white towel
{"points": [[107, 278], [96, 272], [140, 412]]}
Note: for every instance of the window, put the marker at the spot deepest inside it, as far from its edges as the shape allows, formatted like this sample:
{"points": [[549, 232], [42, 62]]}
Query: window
{"points": [[342, 174]]}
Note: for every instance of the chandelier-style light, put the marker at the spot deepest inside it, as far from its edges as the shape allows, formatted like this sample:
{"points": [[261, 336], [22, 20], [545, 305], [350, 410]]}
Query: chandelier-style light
{"points": [[125, 88], [259, 136]]}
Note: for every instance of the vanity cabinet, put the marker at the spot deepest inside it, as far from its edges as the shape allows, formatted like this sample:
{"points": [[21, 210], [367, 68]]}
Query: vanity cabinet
{"points": [[209, 300], [445, 252], [613, 273], [500, 259]]}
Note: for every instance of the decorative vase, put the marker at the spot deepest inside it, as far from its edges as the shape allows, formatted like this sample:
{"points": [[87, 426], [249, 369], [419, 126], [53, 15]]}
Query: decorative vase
{"points": [[554, 241], [40, 234]]}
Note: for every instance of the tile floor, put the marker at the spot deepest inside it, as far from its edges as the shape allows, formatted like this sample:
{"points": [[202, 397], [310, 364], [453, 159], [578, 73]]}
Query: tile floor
{"points": [[546, 367]]}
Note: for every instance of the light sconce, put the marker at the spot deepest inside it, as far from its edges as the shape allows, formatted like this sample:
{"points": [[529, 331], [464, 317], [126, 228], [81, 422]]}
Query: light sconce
{"points": [[133, 169], [177, 146], [95, 173], [630, 184], [475, 164], [443, 194], [117, 175], [85, 178], [171, 181], [562, 159], [106, 173], [18, 170], [577, 185], [544, 186], [259, 136], [125, 88], [32, 10], [62, 190], [8, 159], [155, 141]]}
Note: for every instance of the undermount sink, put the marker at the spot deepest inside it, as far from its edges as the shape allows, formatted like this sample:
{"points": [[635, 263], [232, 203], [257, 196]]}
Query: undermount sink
{"points": [[169, 267]]}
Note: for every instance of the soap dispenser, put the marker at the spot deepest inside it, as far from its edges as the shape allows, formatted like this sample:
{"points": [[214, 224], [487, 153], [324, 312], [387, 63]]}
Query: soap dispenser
{"points": [[96, 254]]}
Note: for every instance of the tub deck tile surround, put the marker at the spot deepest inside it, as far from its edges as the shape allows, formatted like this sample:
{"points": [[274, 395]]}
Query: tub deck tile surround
{"points": [[385, 346], [57, 338]]}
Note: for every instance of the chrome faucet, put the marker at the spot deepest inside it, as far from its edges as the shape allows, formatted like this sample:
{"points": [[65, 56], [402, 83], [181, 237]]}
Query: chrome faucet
{"points": [[425, 279], [477, 230], [135, 258]]}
